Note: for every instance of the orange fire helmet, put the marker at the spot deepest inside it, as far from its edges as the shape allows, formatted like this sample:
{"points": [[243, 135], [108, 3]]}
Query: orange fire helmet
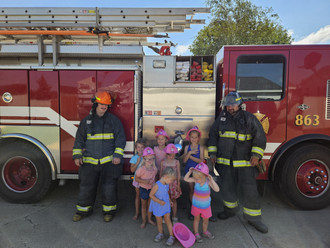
{"points": [[103, 97]]}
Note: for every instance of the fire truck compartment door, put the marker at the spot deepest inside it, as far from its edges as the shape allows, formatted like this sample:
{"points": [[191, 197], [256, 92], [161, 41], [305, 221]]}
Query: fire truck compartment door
{"points": [[14, 103], [44, 98], [178, 109]]}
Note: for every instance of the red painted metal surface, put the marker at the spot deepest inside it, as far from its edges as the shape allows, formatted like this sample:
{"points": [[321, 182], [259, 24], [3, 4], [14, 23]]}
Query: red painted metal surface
{"points": [[44, 92], [121, 85], [15, 82], [309, 72], [78, 87], [303, 107], [275, 111]]}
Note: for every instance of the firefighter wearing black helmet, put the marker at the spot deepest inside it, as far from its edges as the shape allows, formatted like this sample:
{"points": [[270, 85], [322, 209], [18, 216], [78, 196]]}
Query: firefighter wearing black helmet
{"points": [[98, 151], [236, 143]]}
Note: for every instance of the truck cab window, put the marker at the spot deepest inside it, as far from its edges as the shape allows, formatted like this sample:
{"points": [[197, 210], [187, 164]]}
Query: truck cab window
{"points": [[260, 77]]}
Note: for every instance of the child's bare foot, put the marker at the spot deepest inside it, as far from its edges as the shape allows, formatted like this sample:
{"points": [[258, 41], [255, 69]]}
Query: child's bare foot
{"points": [[151, 222], [135, 217], [143, 225]]}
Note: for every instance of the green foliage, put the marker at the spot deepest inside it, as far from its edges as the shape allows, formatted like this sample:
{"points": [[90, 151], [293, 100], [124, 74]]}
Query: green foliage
{"points": [[238, 22]]}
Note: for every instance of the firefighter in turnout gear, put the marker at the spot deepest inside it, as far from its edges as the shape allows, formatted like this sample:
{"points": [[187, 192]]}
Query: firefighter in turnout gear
{"points": [[98, 151], [236, 143]]}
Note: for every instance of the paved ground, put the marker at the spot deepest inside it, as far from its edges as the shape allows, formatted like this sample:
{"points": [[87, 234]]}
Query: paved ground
{"points": [[48, 224]]}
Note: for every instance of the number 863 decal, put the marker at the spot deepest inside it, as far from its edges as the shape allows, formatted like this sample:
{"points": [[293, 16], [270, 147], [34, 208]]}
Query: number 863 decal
{"points": [[307, 120]]}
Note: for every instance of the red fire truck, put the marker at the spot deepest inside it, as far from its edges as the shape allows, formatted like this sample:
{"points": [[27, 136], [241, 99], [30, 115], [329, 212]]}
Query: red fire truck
{"points": [[54, 60], [288, 88]]}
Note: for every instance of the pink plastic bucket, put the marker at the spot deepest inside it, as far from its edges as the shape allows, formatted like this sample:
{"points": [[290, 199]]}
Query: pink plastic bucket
{"points": [[183, 235]]}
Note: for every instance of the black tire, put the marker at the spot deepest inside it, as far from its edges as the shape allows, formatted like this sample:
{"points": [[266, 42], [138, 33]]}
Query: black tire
{"points": [[25, 173], [303, 178]]}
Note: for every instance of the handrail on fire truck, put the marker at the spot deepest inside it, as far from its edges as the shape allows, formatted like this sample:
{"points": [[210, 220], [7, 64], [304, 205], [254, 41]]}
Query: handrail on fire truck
{"points": [[101, 25], [50, 29]]}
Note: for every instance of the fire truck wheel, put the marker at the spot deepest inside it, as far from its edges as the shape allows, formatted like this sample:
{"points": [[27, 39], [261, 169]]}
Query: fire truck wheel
{"points": [[25, 173], [304, 177]]}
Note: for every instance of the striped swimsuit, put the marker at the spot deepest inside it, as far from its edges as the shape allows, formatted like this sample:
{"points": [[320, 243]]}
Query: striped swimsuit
{"points": [[201, 201], [201, 198]]}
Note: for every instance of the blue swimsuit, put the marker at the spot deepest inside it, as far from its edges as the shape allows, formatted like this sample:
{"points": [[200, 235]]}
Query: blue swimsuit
{"points": [[191, 163], [161, 194]]}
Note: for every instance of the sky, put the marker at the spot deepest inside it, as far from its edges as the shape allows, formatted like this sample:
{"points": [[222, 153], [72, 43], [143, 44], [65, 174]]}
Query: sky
{"points": [[307, 21]]}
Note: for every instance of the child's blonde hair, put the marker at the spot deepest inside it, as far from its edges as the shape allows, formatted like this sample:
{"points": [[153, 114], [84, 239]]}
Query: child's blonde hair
{"points": [[198, 174], [168, 171], [153, 162]]}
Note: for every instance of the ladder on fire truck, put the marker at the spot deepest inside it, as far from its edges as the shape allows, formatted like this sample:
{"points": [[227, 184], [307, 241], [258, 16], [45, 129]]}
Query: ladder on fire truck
{"points": [[50, 30]]}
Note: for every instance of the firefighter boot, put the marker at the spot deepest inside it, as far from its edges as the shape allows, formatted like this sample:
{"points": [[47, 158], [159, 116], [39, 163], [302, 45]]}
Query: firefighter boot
{"points": [[225, 215], [108, 217], [259, 226], [79, 216]]}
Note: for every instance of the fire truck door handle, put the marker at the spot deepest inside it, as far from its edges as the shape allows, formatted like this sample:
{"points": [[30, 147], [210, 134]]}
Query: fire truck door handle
{"points": [[179, 119], [140, 124], [135, 89]]}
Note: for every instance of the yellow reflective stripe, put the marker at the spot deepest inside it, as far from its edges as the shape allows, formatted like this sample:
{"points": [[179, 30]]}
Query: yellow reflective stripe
{"points": [[109, 208], [230, 204], [108, 136], [241, 163], [83, 209], [227, 134], [243, 137], [77, 152], [95, 161], [90, 160], [258, 150], [106, 159], [234, 135], [100, 136], [212, 149], [236, 163], [223, 161], [252, 212], [119, 151]]}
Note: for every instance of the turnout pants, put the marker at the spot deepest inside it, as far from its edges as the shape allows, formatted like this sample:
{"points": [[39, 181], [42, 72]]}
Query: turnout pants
{"points": [[240, 181], [90, 176]]}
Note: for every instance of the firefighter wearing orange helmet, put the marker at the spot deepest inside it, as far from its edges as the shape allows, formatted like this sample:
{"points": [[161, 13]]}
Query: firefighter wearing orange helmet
{"points": [[98, 151], [237, 142]]}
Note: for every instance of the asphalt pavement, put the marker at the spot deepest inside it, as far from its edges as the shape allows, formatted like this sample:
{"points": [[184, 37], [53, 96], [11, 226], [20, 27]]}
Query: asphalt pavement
{"points": [[49, 224]]}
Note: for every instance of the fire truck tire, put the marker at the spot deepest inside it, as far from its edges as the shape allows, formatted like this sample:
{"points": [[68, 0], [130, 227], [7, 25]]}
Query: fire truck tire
{"points": [[304, 177], [25, 173]]}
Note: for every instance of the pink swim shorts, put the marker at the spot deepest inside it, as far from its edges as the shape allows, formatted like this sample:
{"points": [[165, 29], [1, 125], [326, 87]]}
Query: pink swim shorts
{"points": [[205, 213]]}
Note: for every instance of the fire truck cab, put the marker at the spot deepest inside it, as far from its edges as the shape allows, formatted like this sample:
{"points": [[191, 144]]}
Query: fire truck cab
{"points": [[287, 87]]}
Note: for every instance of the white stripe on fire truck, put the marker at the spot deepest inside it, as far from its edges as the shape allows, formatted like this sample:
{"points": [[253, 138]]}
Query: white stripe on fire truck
{"points": [[53, 118], [15, 121], [271, 147]]}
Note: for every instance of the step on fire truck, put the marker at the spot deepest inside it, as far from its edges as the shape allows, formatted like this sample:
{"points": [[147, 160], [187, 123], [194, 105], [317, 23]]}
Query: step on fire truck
{"points": [[53, 60]]}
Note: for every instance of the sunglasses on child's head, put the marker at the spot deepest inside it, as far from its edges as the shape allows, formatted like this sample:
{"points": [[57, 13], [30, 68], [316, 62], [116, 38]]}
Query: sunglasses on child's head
{"points": [[149, 159]]}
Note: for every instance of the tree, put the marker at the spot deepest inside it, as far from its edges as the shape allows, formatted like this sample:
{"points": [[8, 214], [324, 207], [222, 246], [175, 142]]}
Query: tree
{"points": [[238, 22]]}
